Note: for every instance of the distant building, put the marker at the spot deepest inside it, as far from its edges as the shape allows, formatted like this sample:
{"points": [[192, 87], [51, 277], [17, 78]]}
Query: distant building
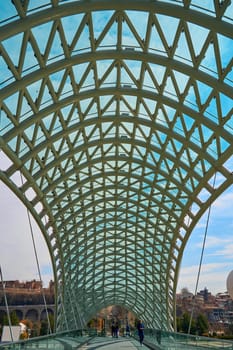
{"points": [[28, 285], [205, 294], [218, 309], [26, 299]]}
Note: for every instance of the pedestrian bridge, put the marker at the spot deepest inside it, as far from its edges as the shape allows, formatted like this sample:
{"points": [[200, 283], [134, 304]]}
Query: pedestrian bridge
{"points": [[116, 132], [90, 340]]}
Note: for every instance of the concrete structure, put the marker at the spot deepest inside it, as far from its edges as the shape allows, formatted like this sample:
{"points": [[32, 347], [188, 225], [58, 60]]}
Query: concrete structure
{"points": [[31, 312], [26, 299], [116, 133]]}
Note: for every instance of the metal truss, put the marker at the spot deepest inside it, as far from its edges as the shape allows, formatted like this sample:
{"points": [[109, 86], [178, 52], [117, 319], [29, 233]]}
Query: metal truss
{"points": [[118, 115]]}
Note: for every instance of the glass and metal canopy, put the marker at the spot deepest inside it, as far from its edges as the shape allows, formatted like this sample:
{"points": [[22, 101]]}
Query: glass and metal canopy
{"points": [[117, 114]]}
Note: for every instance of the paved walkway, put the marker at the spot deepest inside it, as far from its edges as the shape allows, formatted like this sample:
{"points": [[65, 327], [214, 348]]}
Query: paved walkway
{"points": [[109, 343]]}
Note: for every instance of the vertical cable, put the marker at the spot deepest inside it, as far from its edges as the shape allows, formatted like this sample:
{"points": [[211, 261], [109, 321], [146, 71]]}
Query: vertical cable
{"points": [[38, 266], [201, 258]]}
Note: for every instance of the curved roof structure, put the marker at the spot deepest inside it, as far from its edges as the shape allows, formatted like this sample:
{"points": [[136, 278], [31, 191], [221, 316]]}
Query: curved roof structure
{"points": [[117, 118]]}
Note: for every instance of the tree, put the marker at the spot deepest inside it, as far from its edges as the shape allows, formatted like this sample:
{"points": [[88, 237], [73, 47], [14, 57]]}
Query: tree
{"points": [[184, 324], [44, 327], [178, 324], [201, 324], [35, 329], [13, 317], [51, 321]]}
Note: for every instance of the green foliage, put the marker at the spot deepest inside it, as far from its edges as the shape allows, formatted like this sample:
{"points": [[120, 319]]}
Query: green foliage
{"points": [[13, 317], [51, 321], [35, 329], [185, 321], [178, 324], [198, 325], [201, 324], [44, 327]]}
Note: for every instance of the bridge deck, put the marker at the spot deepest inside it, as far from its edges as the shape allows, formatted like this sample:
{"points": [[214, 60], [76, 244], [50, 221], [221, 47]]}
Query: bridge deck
{"points": [[112, 344]]}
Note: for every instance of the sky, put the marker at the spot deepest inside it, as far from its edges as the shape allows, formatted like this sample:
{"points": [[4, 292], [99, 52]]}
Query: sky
{"points": [[17, 257], [217, 260]]}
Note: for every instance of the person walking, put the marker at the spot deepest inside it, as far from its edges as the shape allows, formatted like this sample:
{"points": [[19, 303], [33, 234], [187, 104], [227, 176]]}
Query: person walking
{"points": [[113, 329], [140, 327], [127, 331], [116, 330]]}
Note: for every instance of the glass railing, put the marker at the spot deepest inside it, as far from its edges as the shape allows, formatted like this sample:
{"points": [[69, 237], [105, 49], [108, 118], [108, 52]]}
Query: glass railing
{"points": [[155, 339], [176, 341], [58, 341]]}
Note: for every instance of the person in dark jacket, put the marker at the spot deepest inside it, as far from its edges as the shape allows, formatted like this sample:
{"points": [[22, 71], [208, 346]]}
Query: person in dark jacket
{"points": [[140, 327], [127, 331], [113, 329]]}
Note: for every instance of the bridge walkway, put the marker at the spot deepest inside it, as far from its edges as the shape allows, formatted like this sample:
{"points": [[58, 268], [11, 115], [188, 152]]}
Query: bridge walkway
{"points": [[109, 343]]}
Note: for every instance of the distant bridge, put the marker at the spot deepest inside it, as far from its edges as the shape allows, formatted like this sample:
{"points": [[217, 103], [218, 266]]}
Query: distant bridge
{"points": [[31, 312]]}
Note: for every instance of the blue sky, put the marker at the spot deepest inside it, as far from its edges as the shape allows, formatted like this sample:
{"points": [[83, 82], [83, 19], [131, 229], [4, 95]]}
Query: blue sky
{"points": [[218, 258]]}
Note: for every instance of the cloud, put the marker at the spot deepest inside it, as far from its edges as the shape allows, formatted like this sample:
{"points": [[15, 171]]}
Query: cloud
{"points": [[212, 276], [222, 207], [213, 241], [226, 251], [17, 256], [210, 267]]}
